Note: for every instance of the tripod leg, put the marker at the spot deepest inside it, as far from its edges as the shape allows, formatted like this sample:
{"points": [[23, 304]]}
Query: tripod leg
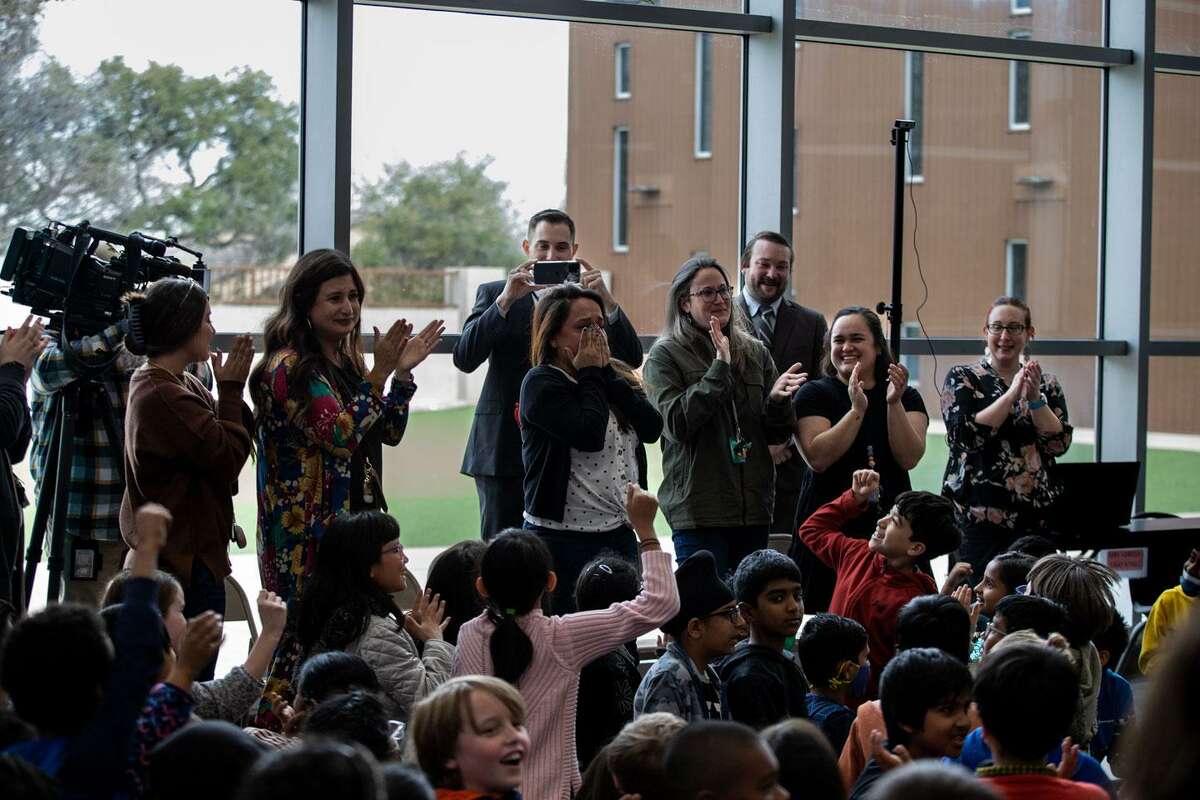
{"points": [[58, 533], [45, 500]]}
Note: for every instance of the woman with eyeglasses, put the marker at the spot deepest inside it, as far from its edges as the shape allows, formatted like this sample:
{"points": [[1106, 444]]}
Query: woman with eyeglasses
{"points": [[722, 404], [1006, 422], [861, 414]]}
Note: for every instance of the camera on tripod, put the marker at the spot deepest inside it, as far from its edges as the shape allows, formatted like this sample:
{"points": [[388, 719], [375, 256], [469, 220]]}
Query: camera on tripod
{"points": [[57, 272]]}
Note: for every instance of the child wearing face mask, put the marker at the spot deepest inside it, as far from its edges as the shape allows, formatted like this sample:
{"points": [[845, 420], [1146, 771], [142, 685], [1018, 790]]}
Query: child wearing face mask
{"points": [[1170, 609], [833, 651], [471, 740]]}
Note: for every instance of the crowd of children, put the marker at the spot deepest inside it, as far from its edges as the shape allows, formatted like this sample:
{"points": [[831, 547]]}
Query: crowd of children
{"points": [[999, 687]]}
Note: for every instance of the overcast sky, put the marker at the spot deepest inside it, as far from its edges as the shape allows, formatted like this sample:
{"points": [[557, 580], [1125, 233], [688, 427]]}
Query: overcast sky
{"points": [[427, 84]]}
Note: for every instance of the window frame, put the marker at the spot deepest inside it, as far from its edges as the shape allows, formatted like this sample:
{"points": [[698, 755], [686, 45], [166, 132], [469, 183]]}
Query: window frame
{"points": [[620, 199], [1010, 278], [622, 71], [703, 113]]}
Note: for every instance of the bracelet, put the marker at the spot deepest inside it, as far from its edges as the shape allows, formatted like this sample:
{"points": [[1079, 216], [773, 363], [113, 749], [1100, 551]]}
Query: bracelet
{"points": [[647, 542], [1034, 405]]}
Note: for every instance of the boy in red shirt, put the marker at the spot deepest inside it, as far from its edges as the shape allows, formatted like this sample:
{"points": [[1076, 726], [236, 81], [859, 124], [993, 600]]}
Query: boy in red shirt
{"points": [[876, 577]]}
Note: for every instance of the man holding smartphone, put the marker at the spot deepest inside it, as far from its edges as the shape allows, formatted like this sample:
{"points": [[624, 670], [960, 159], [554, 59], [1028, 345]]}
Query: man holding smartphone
{"points": [[499, 331]]}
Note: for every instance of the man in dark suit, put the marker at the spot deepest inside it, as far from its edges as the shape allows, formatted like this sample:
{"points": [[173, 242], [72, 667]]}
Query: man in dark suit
{"points": [[793, 334], [499, 331]]}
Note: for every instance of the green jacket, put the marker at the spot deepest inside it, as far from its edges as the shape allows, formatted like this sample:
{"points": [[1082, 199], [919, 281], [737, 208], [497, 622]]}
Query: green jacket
{"points": [[702, 487]]}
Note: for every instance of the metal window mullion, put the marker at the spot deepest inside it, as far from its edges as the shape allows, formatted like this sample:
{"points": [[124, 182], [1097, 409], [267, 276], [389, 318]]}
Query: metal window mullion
{"points": [[1177, 63]]}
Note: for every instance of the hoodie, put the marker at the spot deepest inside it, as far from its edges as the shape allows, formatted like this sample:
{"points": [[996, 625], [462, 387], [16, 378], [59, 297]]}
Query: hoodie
{"points": [[761, 686]]}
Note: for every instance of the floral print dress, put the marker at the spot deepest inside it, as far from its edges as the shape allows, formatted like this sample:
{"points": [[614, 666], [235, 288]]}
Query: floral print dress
{"points": [[999, 477], [305, 464]]}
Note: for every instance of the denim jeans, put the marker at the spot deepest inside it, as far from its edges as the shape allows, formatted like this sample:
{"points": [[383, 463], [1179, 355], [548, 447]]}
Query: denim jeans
{"points": [[728, 545], [572, 550], [205, 592]]}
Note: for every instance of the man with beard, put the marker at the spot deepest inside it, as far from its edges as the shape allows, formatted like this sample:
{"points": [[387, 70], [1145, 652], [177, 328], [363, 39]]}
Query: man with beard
{"points": [[793, 334]]}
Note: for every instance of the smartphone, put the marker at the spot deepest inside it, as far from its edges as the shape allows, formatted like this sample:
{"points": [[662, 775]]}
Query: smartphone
{"points": [[550, 273]]}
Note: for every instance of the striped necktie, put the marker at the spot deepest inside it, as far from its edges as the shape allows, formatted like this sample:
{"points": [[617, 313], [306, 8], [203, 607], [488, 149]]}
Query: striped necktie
{"points": [[764, 323]]}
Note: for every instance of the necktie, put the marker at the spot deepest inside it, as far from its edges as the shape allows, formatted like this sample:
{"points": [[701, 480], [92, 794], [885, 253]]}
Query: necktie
{"points": [[764, 323]]}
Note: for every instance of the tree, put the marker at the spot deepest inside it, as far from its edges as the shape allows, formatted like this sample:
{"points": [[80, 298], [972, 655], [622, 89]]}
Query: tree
{"points": [[445, 214]]}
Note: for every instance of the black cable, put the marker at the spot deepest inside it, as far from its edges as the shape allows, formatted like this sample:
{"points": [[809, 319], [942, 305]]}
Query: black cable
{"points": [[920, 272]]}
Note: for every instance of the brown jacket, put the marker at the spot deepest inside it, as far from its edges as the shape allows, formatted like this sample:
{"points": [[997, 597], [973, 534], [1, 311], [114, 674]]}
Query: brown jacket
{"points": [[185, 450]]}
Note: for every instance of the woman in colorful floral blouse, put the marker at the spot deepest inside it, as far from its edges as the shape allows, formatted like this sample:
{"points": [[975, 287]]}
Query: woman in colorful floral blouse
{"points": [[1006, 422], [321, 416]]}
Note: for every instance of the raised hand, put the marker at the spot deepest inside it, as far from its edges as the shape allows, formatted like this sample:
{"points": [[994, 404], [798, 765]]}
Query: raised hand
{"points": [[593, 349], [1070, 760], [641, 507], [200, 643], [719, 339], [590, 278], [864, 483], [897, 383], [416, 349], [272, 611], [959, 573], [858, 396], [24, 344], [519, 283], [965, 596], [235, 368], [425, 622], [150, 524], [788, 382], [887, 760], [388, 348], [1032, 374]]}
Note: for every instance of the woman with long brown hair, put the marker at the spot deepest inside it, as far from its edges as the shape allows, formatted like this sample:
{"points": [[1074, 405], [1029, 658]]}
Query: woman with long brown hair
{"points": [[584, 423], [322, 417]]}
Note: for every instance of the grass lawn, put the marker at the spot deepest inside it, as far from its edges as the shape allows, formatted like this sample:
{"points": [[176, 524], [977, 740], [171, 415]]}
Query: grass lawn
{"points": [[436, 506]]}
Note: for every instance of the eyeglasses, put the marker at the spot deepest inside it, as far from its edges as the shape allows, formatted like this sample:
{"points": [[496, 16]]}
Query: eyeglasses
{"points": [[734, 615], [709, 293], [992, 630], [1014, 328], [393, 550]]}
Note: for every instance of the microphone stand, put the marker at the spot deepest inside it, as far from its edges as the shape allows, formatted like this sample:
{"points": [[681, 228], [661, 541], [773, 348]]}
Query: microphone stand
{"points": [[894, 310]]}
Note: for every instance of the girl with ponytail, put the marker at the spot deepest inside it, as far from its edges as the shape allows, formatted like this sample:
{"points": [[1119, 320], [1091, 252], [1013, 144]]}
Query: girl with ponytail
{"points": [[542, 656]]}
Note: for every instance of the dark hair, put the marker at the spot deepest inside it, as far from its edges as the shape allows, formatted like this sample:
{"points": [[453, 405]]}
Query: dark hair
{"points": [[766, 236], [406, 782], [514, 569], [1114, 639], [55, 666], [1026, 694], [679, 326], [169, 589], [165, 316], [23, 781], [289, 329], [549, 316], [1033, 545], [334, 672], [882, 361], [1016, 302], [597, 781], [111, 617], [930, 779], [808, 766], [1159, 758], [825, 642], [935, 620], [13, 729], [202, 760], [315, 770], [915, 681], [554, 217], [757, 570], [452, 575], [1026, 612], [1013, 568], [1084, 586], [337, 603], [932, 519], [606, 579], [707, 754], [356, 716]]}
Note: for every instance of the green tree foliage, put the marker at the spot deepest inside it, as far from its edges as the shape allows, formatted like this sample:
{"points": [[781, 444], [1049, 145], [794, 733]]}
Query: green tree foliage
{"points": [[214, 161], [442, 215]]}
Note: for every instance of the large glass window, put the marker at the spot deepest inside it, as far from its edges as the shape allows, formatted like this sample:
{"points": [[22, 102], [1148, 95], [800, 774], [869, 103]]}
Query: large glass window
{"points": [[1172, 444], [1018, 91], [621, 189], [982, 188], [1016, 254], [1073, 22], [1177, 26], [704, 95], [622, 79], [914, 109], [1174, 282]]}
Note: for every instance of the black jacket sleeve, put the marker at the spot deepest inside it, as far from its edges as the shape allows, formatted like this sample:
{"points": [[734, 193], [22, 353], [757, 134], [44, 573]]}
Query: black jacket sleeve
{"points": [[574, 413], [642, 415], [480, 331], [14, 412], [623, 340]]}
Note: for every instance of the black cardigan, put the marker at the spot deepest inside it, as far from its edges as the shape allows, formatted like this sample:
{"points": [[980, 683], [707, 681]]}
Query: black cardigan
{"points": [[557, 414]]}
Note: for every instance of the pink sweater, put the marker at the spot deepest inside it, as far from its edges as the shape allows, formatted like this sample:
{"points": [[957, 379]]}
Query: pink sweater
{"points": [[561, 647]]}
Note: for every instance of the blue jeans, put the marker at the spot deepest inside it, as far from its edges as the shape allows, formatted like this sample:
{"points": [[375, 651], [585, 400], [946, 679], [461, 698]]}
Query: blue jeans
{"points": [[728, 545], [572, 550], [205, 592]]}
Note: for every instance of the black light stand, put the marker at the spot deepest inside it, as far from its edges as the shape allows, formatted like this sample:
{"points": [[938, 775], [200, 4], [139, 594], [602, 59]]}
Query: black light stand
{"points": [[894, 310]]}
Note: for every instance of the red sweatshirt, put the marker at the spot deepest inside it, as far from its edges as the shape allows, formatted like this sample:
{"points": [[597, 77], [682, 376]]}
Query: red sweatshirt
{"points": [[867, 590]]}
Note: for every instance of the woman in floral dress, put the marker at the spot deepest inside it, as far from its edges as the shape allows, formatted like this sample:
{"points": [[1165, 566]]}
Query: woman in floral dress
{"points": [[1006, 422], [321, 416]]}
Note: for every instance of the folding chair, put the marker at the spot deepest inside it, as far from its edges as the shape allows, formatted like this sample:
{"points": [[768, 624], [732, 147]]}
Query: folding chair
{"points": [[237, 607], [406, 599]]}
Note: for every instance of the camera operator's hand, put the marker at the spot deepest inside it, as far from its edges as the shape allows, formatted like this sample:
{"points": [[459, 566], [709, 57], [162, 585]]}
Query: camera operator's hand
{"points": [[418, 348], [519, 283], [235, 368], [388, 348], [150, 525], [590, 278], [24, 344]]}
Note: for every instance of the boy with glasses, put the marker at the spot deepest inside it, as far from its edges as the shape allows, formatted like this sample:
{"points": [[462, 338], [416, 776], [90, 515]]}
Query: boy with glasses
{"points": [[708, 626]]}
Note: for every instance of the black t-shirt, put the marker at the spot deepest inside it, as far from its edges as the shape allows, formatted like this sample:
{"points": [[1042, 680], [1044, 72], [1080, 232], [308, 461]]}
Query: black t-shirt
{"points": [[829, 398]]}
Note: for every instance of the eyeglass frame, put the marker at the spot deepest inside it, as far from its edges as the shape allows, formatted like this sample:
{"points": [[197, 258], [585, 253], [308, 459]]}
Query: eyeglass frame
{"points": [[733, 614], [1013, 328], [716, 292]]}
